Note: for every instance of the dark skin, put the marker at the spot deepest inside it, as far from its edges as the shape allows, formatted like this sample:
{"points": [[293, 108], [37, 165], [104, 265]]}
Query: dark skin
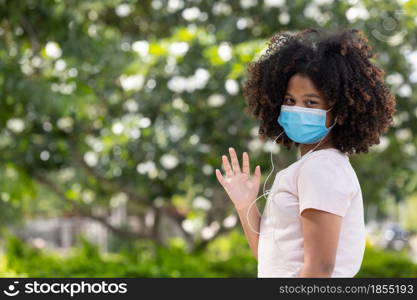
{"points": [[321, 229], [302, 92]]}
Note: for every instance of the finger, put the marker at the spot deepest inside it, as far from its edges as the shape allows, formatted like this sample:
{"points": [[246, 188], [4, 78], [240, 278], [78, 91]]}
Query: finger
{"points": [[235, 162], [226, 166], [246, 168], [258, 171], [220, 177]]}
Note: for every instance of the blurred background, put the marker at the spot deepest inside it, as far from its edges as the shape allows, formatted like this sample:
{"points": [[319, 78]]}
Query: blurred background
{"points": [[115, 114]]}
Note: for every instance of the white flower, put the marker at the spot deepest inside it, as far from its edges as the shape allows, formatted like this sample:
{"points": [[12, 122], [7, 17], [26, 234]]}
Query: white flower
{"points": [[169, 161], [91, 158], [132, 83], [216, 100], [224, 51], [16, 125], [123, 10], [232, 86], [141, 47], [53, 50]]}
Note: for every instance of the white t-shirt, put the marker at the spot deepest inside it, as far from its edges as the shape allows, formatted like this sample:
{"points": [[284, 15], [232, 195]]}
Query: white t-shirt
{"points": [[323, 179]]}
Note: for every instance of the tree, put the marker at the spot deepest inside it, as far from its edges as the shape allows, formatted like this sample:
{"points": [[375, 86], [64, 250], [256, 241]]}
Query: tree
{"points": [[141, 98]]}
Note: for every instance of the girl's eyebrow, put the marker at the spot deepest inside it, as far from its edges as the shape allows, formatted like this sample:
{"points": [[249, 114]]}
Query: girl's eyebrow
{"points": [[305, 95]]}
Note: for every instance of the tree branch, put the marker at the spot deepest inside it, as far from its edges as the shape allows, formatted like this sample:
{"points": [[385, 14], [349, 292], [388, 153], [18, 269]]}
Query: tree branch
{"points": [[32, 35], [202, 245], [79, 208], [169, 210]]}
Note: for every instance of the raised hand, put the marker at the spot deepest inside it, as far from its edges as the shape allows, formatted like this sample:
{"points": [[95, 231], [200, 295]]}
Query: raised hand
{"points": [[241, 188]]}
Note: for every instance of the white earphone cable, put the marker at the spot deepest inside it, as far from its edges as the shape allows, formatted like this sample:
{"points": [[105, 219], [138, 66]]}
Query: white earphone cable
{"points": [[267, 192]]}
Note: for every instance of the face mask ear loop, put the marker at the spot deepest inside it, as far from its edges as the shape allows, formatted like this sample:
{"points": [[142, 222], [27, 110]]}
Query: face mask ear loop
{"points": [[334, 123], [265, 192]]}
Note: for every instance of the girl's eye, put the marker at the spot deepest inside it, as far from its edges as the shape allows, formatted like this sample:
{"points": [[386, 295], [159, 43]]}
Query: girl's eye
{"points": [[311, 102], [288, 100]]}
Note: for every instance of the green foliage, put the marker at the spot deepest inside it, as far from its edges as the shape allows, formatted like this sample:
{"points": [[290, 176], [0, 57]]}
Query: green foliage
{"points": [[378, 263], [409, 214], [227, 256], [79, 81], [99, 103], [142, 260]]}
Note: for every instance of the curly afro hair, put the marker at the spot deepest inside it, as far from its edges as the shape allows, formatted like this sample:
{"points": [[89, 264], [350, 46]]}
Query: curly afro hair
{"points": [[338, 63]]}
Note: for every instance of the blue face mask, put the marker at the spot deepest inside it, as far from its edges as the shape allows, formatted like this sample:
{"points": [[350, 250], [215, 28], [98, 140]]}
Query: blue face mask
{"points": [[304, 125]]}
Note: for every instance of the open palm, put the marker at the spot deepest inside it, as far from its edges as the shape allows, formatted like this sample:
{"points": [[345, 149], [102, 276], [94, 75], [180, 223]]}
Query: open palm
{"points": [[239, 185]]}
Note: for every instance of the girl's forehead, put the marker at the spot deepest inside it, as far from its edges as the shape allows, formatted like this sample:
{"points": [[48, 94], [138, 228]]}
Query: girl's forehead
{"points": [[300, 85]]}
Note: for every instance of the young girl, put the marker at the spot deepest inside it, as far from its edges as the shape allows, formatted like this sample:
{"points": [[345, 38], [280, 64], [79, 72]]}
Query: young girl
{"points": [[321, 93]]}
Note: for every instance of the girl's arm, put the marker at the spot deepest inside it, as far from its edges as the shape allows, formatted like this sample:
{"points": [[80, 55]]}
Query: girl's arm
{"points": [[321, 231], [254, 219]]}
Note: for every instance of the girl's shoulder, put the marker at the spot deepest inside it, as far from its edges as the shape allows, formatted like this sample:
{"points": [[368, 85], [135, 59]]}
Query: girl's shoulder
{"points": [[327, 164], [325, 157], [321, 156], [326, 160]]}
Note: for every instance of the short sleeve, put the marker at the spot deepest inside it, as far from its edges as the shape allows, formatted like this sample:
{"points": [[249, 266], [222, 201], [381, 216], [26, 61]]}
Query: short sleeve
{"points": [[324, 184]]}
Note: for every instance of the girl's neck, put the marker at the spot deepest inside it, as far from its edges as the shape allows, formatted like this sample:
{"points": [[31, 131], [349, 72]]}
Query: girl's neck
{"points": [[327, 143]]}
